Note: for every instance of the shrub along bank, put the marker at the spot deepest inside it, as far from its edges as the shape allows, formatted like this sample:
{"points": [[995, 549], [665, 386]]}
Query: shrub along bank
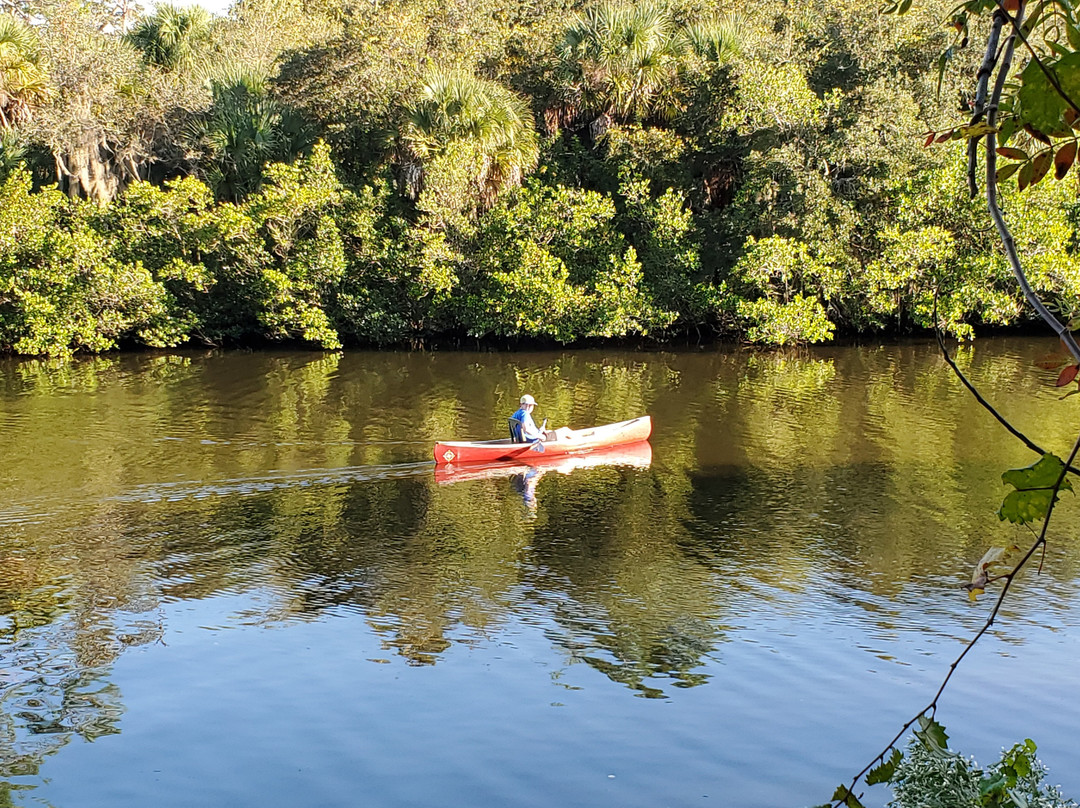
{"points": [[394, 173]]}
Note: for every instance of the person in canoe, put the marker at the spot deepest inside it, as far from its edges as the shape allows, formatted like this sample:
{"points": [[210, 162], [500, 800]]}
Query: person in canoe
{"points": [[523, 428]]}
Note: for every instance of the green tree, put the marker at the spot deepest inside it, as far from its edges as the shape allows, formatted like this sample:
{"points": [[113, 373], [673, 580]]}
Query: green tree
{"points": [[172, 37], [61, 287], [24, 79], [245, 130], [466, 139]]}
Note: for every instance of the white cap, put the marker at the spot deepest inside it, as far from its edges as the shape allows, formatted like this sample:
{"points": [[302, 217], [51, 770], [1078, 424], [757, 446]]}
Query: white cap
{"points": [[527, 399]]}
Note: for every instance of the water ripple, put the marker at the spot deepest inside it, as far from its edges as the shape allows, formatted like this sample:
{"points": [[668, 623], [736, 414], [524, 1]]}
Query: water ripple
{"points": [[243, 486]]}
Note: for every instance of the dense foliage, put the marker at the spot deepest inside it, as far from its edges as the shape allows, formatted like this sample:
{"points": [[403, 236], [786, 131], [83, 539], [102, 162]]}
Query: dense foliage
{"points": [[930, 775], [396, 172]]}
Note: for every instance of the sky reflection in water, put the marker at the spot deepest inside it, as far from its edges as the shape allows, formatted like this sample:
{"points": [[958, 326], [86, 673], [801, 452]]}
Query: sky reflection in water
{"points": [[240, 576]]}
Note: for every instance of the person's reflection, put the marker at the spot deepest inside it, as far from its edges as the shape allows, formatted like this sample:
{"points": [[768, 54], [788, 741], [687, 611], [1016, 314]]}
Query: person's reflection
{"points": [[524, 482]]}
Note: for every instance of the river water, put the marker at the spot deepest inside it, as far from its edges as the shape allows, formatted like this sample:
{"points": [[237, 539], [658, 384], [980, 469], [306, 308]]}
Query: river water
{"points": [[236, 579]]}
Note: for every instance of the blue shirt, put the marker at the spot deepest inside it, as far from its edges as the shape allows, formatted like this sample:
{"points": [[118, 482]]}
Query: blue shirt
{"points": [[529, 430]]}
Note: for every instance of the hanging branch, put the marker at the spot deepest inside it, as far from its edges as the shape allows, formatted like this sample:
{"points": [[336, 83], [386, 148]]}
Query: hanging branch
{"points": [[845, 795], [982, 78], [1016, 433], [1002, 61], [992, 195]]}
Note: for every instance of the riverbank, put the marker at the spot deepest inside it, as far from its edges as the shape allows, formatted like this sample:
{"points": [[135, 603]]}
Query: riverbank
{"points": [[743, 184]]}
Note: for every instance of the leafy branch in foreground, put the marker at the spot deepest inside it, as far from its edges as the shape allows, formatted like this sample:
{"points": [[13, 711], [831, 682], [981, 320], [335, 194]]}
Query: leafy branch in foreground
{"points": [[877, 769], [930, 775], [1039, 108]]}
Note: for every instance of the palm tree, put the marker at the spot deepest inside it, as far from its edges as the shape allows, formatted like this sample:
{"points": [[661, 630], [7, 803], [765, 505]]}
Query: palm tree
{"points": [[625, 62], [12, 154], [459, 112], [246, 129], [24, 81], [171, 36], [716, 39], [620, 62]]}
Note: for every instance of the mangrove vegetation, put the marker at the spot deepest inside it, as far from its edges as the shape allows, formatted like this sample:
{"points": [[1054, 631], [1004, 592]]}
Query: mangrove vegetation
{"points": [[401, 172]]}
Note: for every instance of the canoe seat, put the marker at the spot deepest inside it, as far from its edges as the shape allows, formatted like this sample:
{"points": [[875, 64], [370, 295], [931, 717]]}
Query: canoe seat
{"points": [[515, 430]]}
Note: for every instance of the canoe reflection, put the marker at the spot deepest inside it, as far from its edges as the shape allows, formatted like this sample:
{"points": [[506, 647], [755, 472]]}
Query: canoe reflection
{"points": [[524, 476]]}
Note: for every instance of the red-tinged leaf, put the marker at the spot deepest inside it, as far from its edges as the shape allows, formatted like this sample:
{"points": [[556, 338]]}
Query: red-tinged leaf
{"points": [[1005, 172], [1012, 153], [1070, 116], [1067, 375], [1053, 361], [1040, 165], [1035, 133], [929, 140], [943, 136], [1026, 172], [1064, 159]]}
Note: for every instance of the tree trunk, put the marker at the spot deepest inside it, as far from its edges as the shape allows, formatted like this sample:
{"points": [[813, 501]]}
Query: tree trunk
{"points": [[91, 170]]}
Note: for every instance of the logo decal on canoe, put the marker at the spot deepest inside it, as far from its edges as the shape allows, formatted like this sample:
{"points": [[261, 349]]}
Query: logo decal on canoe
{"points": [[448, 456]]}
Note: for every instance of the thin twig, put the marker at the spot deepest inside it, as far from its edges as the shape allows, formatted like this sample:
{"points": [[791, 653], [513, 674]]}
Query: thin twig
{"points": [[931, 708], [1016, 433]]}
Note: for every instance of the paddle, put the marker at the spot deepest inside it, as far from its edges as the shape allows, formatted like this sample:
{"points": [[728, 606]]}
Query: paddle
{"points": [[538, 444]]}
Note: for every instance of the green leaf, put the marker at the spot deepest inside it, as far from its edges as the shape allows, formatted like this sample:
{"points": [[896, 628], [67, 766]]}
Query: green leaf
{"points": [[847, 797], [1005, 172], [1057, 48], [1033, 18], [905, 5], [932, 735], [1040, 105], [976, 129], [884, 772], [1026, 507], [1073, 34], [942, 61], [1006, 130], [1034, 492]]}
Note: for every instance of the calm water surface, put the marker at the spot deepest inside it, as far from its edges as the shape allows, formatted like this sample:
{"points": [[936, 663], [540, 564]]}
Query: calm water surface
{"points": [[235, 579]]}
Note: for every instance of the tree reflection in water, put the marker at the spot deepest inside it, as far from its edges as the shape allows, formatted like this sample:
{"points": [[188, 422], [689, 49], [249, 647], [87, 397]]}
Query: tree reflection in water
{"points": [[306, 482]]}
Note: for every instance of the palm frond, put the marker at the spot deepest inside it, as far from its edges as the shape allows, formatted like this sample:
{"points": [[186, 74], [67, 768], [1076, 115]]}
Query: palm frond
{"points": [[458, 108]]}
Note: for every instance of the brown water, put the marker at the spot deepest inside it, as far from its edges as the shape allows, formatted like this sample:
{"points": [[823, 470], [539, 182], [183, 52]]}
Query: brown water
{"points": [[240, 578]]}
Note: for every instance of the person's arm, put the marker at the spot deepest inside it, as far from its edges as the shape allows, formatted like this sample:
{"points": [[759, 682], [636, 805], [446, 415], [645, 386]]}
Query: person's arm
{"points": [[529, 430]]}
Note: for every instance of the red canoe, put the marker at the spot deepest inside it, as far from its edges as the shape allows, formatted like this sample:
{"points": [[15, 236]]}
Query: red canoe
{"points": [[578, 441], [638, 455]]}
